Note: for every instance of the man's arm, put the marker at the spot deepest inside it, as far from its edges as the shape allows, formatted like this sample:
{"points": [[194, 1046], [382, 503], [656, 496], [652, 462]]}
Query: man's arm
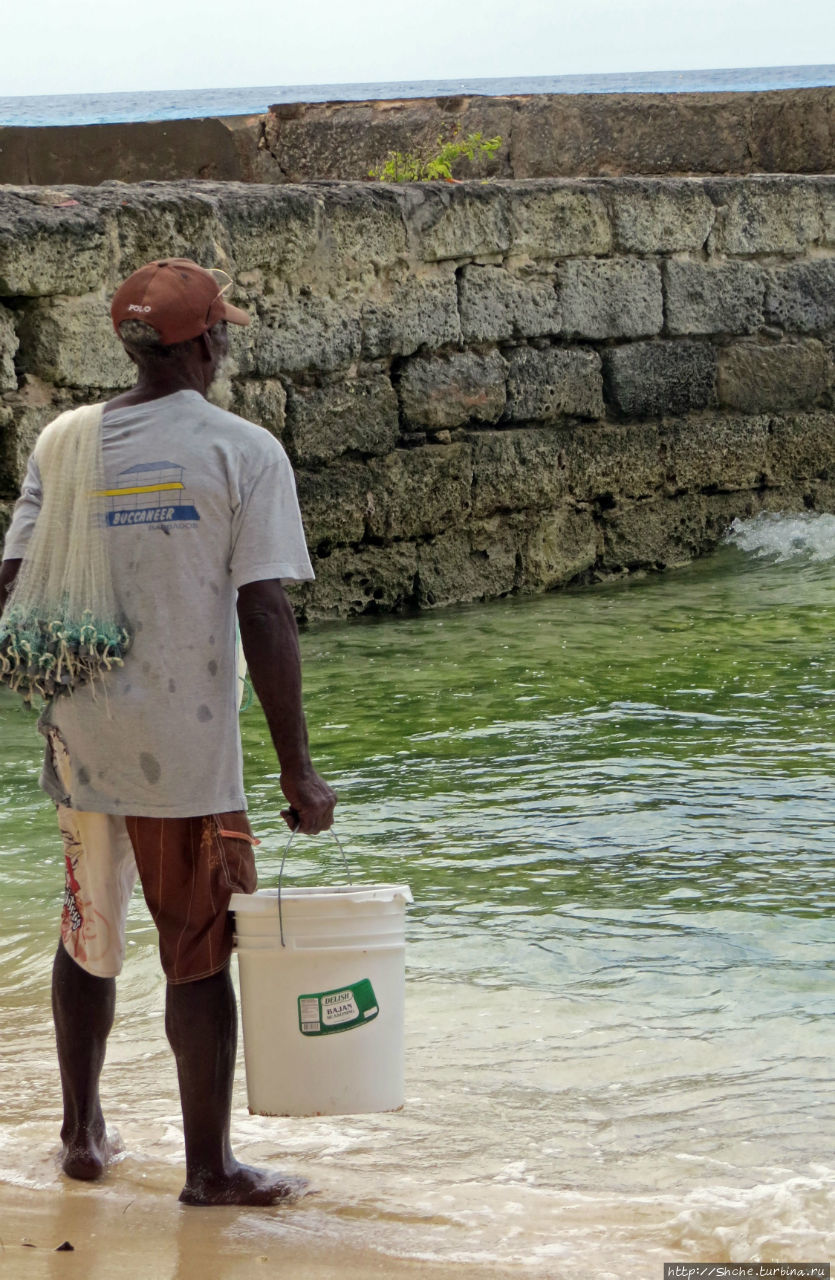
{"points": [[271, 648], [8, 573]]}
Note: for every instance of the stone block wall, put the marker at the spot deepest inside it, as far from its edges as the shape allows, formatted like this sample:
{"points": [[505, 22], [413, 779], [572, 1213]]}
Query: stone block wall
{"points": [[560, 135], [484, 388], [543, 136]]}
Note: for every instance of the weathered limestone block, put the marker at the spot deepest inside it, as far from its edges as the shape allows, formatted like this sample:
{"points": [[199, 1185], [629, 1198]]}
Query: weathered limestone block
{"points": [[336, 503], [610, 298], [6, 509], [479, 562], [826, 191], [649, 378], [357, 415], [70, 341], [790, 130], [763, 377], [544, 386], [517, 470], [652, 216], [8, 351], [158, 221], [611, 134], [659, 533], [9, 479], [304, 332], [47, 248], [359, 580], [402, 318], [276, 229], [809, 495], [420, 491], [801, 447], [720, 453], [562, 545], [602, 461], [127, 152], [347, 139], [262, 402], [496, 304], [455, 221], [245, 134], [558, 221], [362, 230], [243, 339], [28, 411], [765, 215], [445, 391], [801, 297], [727, 298]]}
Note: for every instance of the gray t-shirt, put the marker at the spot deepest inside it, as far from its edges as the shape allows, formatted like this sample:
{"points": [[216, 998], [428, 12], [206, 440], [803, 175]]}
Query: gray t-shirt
{"points": [[200, 503]]}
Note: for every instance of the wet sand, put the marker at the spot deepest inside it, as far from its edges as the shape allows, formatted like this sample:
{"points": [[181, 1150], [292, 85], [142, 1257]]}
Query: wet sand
{"points": [[147, 1236]]}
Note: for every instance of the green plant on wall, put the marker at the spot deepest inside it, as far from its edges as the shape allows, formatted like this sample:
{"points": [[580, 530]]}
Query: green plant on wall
{"points": [[407, 166]]}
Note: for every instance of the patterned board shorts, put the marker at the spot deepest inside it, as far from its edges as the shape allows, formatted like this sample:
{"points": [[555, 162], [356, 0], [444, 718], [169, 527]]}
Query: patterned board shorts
{"points": [[188, 868]]}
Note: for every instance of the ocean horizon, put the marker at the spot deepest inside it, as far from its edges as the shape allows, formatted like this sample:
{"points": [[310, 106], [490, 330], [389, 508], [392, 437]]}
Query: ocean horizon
{"points": [[183, 104]]}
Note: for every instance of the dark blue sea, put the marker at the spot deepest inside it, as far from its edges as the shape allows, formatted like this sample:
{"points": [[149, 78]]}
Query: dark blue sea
{"points": [[182, 104]]}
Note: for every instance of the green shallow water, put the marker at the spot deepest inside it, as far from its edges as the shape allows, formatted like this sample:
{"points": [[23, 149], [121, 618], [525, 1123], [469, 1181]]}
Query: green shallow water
{"points": [[614, 809]]}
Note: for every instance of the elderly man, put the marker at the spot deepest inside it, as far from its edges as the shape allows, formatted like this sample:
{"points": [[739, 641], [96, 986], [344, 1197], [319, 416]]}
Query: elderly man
{"points": [[201, 521]]}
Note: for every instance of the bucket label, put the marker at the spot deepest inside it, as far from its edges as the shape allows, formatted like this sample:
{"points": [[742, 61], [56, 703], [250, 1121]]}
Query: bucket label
{"points": [[339, 1010]]}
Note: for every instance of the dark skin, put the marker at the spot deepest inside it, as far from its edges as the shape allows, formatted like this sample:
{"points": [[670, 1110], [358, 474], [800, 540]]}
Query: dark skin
{"points": [[200, 1017], [8, 573]]}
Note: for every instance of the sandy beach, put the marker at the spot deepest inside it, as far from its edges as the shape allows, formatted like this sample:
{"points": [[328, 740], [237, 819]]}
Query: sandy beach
{"points": [[134, 1233]]}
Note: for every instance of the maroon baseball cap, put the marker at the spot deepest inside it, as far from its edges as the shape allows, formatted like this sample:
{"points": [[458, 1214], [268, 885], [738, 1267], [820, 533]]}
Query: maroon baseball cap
{"points": [[177, 298]]}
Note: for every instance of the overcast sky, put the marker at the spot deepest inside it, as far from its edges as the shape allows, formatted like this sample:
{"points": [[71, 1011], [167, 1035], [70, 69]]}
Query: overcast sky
{"points": [[78, 46]]}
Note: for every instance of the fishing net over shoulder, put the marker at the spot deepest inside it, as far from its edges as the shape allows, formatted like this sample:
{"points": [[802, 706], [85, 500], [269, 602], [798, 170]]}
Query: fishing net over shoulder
{"points": [[60, 627]]}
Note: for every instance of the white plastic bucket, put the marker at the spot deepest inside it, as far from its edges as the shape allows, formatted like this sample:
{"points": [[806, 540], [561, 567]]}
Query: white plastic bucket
{"points": [[322, 1015]]}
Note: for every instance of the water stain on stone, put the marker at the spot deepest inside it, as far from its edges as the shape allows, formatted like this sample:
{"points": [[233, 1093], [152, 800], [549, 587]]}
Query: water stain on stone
{"points": [[203, 713], [212, 668], [211, 639], [150, 766], [215, 588], [172, 686], [127, 688], [146, 668], [139, 626], [83, 776]]}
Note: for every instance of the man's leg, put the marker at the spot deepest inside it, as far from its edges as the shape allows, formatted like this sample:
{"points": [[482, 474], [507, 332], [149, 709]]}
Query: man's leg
{"points": [[83, 1008], [100, 873], [202, 1026]]}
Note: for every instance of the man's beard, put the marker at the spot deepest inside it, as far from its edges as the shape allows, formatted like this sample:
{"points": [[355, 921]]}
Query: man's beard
{"points": [[222, 391]]}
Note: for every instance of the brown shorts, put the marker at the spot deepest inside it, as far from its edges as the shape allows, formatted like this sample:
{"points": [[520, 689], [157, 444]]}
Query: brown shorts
{"points": [[188, 868]]}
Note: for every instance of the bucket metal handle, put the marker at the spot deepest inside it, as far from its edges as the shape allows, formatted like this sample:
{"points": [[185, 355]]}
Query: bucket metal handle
{"points": [[281, 874]]}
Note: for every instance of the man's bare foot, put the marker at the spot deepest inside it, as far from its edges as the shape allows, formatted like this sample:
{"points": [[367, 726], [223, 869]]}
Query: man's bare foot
{"points": [[244, 1185], [86, 1155]]}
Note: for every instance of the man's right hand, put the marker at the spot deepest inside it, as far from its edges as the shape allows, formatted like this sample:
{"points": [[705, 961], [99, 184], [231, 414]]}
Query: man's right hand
{"points": [[271, 648], [311, 800]]}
